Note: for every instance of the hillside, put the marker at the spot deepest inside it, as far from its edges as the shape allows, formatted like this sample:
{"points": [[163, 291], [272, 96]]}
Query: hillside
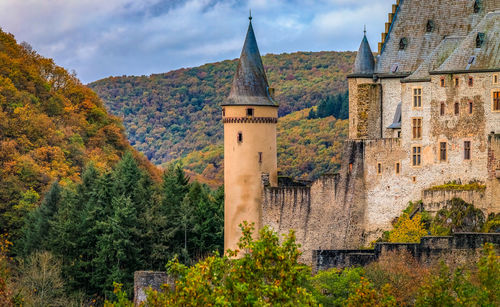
{"points": [[307, 148], [168, 116], [50, 127]]}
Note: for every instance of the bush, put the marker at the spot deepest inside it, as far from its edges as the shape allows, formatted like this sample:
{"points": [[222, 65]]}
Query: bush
{"points": [[403, 272], [333, 287], [458, 216], [408, 230], [463, 287]]}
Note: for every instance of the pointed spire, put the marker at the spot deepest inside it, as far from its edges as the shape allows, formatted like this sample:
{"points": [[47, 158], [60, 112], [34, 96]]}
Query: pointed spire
{"points": [[365, 63], [250, 85]]}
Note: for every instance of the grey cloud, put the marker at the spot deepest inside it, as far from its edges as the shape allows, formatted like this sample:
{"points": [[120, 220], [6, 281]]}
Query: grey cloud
{"points": [[116, 37]]}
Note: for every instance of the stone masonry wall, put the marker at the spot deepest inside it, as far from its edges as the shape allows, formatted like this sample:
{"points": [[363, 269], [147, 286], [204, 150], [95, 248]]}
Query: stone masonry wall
{"points": [[327, 214], [145, 279], [459, 249], [369, 111], [435, 200]]}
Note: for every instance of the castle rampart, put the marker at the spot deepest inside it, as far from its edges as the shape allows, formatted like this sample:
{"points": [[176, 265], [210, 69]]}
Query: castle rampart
{"points": [[459, 249]]}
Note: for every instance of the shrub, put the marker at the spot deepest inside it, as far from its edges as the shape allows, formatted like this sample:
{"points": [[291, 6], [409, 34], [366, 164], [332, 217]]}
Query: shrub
{"points": [[408, 230], [333, 287], [403, 272]]}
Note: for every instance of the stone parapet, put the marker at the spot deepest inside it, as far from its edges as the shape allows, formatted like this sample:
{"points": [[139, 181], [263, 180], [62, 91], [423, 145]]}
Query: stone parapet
{"points": [[458, 248]]}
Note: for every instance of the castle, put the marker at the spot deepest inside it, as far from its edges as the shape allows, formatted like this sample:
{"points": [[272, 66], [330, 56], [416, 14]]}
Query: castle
{"points": [[425, 111]]}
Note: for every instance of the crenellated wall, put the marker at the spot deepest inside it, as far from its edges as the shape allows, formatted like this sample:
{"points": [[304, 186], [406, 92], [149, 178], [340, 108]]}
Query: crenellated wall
{"points": [[327, 213]]}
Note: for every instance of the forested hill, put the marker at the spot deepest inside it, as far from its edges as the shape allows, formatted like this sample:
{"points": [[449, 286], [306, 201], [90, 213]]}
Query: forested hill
{"points": [[50, 127], [168, 116]]}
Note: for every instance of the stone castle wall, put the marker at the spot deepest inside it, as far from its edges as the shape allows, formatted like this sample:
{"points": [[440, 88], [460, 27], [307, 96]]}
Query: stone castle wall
{"points": [[326, 214], [459, 249]]}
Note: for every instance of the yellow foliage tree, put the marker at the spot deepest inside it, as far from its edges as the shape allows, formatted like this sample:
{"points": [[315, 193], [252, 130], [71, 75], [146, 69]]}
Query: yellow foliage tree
{"points": [[408, 230]]}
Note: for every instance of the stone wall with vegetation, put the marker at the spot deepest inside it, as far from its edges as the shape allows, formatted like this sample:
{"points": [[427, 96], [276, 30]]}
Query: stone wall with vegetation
{"points": [[459, 248]]}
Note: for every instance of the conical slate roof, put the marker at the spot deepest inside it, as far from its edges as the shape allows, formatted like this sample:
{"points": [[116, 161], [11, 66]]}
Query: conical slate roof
{"points": [[250, 85], [364, 64]]}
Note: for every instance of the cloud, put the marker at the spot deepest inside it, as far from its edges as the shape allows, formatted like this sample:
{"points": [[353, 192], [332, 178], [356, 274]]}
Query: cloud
{"points": [[115, 37]]}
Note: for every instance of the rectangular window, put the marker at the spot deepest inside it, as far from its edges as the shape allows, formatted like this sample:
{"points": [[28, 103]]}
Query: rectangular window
{"points": [[417, 97], [250, 112], [416, 155], [471, 107], [496, 101], [471, 81], [398, 167], [495, 79], [416, 128], [442, 109], [467, 150], [223, 111], [457, 108], [442, 151], [379, 168], [442, 82], [457, 82], [240, 137]]}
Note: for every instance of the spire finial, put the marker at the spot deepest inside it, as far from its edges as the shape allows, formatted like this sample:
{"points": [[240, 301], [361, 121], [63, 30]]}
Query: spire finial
{"points": [[250, 15], [365, 30]]}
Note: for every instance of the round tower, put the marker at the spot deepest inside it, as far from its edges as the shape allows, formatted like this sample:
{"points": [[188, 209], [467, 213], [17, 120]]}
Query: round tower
{"points": [[250, 116], [361, 92]]}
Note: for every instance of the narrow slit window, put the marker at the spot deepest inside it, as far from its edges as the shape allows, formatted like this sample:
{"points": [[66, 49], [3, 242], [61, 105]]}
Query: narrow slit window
{"points": [[495, 79], [240, 137], [471, 81], [416, 155], [442, 82], [223, 112], [471, 107], [442, 109], [457, 82], [379, 168], [398, 168], [442, 151], [457, 108], [417, 97], [260, 157], [467, 150], [250, 112]]}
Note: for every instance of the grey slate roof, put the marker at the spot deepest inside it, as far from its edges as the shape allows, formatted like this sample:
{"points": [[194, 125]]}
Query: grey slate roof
{"points": [[364, 63], [396, 122], [250, 85], [485, 58], [436, 58], [451, 18]]}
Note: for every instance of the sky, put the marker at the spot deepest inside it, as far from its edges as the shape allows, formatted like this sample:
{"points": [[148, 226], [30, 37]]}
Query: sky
{"points": [[102, 38]]}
